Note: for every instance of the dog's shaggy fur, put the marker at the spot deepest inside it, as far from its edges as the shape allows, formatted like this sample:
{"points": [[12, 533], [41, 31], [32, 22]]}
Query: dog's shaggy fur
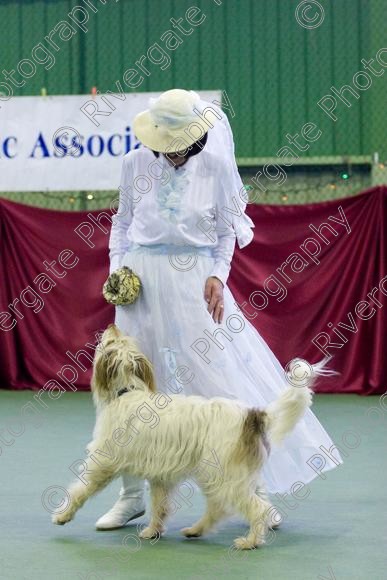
{"points": [[166, 439]]}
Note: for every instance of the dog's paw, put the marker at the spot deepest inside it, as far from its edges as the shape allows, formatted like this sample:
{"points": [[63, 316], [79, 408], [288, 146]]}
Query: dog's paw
{"points": [[150, 533], [243, 543], [191, 532], [61, 519]]}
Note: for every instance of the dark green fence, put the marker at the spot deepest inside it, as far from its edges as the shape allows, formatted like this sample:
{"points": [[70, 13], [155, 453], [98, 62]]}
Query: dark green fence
{"points": [[284, 64]]}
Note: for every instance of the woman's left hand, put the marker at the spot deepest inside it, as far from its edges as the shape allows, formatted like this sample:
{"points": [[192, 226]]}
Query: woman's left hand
{"points": [[213, 294]]}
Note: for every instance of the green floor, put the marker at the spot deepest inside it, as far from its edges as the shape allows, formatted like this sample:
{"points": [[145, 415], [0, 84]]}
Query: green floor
{"points": [[338, 532]]}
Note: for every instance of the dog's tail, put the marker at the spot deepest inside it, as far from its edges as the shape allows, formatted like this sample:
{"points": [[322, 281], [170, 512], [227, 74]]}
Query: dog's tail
{"points": [[284, 413]]}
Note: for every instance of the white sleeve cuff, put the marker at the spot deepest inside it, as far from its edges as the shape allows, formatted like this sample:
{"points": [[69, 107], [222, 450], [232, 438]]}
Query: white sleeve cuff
{"points": [[114, 264], [221, 271]]}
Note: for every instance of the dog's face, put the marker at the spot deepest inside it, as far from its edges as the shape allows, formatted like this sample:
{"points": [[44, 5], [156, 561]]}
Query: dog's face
{"points": [[117, 364]]}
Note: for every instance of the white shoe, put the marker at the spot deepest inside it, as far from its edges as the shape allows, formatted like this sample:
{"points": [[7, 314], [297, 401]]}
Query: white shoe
{"points": [[275, 519], [129, 506], [124, 510]]}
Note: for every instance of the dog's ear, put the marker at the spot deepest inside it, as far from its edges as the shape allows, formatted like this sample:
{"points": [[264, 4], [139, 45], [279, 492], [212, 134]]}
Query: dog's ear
{"points": [[104, 370], [144, 371]]}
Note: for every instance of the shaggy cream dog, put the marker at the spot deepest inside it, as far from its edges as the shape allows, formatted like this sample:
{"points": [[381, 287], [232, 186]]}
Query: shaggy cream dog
{"points": [[166, 439]]}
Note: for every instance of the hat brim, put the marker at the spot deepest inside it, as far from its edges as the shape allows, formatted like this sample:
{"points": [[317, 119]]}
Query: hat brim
{"points": [[160, 139]]}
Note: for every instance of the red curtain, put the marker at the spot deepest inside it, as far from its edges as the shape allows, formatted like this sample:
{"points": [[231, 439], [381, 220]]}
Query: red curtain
{"points": [[313, 281]]}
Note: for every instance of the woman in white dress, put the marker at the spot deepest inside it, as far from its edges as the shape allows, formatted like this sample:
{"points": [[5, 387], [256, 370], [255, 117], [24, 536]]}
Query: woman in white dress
{"points": [[178, 218]]}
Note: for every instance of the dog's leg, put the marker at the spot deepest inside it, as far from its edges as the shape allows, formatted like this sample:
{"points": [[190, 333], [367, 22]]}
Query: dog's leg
{"points": [[261, 490], [160, 493], [215, 511], [275, 517], [97, 478], [255, 510]]}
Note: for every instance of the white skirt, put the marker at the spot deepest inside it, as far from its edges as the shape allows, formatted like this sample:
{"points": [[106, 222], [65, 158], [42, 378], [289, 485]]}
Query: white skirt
{"points": [[174, 329]]}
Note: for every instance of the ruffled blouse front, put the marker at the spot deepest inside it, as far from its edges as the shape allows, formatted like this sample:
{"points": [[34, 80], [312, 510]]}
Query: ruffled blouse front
{"points": [[192, 205], [170, 195]]}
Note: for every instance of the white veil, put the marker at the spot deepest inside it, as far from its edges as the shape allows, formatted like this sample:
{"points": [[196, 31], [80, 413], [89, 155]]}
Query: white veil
{"points": [[220, 141]]}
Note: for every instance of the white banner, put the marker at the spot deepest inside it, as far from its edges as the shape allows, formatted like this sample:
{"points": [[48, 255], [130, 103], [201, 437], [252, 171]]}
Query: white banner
{"points": [[50, 144]]}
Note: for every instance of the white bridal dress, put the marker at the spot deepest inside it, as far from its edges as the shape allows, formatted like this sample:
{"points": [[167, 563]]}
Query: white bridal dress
{"points": [[175, 228]]}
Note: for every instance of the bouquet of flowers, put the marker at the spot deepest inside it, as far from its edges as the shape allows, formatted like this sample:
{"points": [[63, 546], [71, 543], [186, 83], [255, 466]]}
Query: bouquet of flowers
{"points": [[122, 287]]}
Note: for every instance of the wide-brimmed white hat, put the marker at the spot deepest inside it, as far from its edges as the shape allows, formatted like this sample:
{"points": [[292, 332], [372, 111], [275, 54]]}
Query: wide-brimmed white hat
{"points": [[173, 121]]}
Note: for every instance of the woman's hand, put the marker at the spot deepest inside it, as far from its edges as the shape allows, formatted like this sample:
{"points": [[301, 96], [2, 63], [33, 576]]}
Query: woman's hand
{"points": [[213, 294]]}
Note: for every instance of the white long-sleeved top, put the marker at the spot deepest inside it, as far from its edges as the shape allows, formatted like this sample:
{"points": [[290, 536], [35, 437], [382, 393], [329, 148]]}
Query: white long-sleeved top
{"points": [[192, 205]]}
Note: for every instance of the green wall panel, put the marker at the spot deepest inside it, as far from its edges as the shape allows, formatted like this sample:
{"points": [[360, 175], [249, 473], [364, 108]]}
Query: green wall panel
{"points": [[274, 70]]}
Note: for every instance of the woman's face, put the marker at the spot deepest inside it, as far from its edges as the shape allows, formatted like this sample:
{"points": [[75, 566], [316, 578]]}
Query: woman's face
{"points": [[175, 159]]}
